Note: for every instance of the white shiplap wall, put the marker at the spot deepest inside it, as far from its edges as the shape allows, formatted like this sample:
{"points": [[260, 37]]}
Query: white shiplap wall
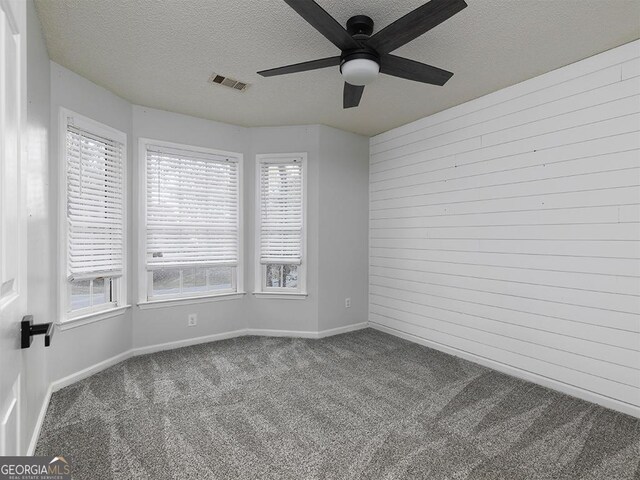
{"points": [[507, 229]]}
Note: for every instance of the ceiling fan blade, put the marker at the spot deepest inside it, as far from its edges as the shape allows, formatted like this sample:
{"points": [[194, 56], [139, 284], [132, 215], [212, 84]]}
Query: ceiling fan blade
{"points": [[352, 95], [324, 23], [412, 70], [414, 24], [302, 67]]}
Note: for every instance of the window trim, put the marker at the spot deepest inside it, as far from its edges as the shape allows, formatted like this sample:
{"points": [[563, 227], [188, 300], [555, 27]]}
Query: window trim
{"points": [[144, 284], [260, 290], [281, 296], [173, 302], [93, 317], [66, 317]]}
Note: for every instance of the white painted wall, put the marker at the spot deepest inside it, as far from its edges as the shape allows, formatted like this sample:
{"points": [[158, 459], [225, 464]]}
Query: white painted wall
{"points": [[168, 324], [83, 346], [299, 314], [507, 229], [343, 230]]}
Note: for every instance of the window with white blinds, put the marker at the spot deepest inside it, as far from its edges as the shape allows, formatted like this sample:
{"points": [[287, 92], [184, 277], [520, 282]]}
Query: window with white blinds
{"points": [[281, 211], [95, 204], [92, 217], [192, 220], [281, 214]]}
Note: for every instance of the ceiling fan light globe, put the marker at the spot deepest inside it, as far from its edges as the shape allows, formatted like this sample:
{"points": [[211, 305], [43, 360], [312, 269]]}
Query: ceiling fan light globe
{"points": [[360, 71]]}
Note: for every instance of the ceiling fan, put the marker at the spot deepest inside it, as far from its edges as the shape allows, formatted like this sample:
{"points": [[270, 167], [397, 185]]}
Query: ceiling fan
{"points": [[364, 55]]}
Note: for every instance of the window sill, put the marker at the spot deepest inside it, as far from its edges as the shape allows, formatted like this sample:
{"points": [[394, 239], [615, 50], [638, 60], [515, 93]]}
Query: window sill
{"points": [[172, 302], [281, 295], [91, 318]]}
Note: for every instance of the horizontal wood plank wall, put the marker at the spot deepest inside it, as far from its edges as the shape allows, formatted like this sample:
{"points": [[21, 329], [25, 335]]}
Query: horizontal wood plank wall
{"points": [[508, 228]]}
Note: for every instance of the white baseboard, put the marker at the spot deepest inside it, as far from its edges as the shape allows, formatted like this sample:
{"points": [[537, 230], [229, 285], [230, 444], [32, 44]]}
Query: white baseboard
{"points": [[38, 426], [305, 334], [188, 342], [574, 391], [87, 372], [345, 329], [265, 332], [109, 362]]}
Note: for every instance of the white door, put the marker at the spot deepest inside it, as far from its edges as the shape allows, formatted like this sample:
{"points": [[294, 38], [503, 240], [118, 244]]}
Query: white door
{"points": [[13, 266]]}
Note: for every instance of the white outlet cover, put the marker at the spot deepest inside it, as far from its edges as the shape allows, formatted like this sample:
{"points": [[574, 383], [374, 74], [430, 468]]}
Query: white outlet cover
{"points": [[347, 303], [193, 319]]}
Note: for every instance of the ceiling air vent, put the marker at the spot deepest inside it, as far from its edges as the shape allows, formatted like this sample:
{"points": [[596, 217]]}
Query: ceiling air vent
{"points": [[228, 82]]}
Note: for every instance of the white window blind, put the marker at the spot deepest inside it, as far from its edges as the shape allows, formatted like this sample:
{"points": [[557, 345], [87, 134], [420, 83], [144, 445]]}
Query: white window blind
{"points": [[192, 208], [95, 205], [281, 211]]}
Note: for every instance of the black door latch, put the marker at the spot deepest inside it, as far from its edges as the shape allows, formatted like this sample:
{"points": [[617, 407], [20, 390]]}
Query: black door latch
{"points": [[28, 329]]}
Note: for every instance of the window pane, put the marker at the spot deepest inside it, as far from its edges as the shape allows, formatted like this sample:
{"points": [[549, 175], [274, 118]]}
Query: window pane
{"points": [[219, 278], [166, 281], [281, 276], [80, 294], [194, 280], [274, 276], [290, 276], [101, 291]]}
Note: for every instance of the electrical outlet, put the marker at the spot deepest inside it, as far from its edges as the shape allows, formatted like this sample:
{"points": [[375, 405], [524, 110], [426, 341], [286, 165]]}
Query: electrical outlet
{"points": [[347, 303], [192, 320]]}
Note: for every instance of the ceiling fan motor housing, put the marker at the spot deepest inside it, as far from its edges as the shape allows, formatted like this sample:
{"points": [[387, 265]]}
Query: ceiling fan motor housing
{"points": [[360, 27], [366, 53]]}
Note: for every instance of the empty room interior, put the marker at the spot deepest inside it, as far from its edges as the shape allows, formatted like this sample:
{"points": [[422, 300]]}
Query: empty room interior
{"points": [[298, 239]]}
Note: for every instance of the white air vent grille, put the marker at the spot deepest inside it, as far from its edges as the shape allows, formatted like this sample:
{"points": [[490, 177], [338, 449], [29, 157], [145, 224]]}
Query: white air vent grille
{"points": [[228, 82]]}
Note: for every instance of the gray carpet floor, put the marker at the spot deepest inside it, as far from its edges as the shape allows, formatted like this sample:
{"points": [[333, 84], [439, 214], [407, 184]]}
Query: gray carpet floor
{"points": [[364, 405]]}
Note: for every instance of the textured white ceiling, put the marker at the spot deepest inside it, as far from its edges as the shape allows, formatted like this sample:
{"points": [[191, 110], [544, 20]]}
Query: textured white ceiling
{"points": [[161, 53]]}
